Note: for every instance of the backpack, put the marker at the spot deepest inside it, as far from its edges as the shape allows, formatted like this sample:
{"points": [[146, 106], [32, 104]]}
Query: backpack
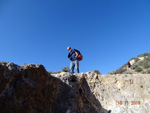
{"points": [[80, 57]]}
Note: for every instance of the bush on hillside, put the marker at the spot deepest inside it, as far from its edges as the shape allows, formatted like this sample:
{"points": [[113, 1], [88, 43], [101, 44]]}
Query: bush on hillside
{"points": [[111, 73], [135, 59], [126, 72], [57, 72], [149, 55], [148, 71], [120, 71], [144, 64], [143, 72], [140, 55], [143, 55], [96, 71], [50, 72], [134, 66], [138, 69], [148, 58], [148, 62], [65, 69]]}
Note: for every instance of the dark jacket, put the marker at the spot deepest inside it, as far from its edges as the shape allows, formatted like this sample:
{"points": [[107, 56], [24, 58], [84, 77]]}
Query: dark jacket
{"points": [[72, 55]]}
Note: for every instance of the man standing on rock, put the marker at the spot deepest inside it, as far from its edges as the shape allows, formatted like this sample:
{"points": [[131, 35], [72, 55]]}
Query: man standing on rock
{"points": [[73, 55]]}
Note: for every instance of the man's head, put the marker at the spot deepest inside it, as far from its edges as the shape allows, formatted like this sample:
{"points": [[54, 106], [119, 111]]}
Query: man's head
{"points": [[69, 49]]}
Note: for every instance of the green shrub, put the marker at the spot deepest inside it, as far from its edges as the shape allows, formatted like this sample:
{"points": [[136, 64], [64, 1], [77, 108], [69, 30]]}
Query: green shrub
{"points": [[134, 66], [148, 62], [57, 72], [96, 71], [110, 73], [148, 54], [144, 64], [65, 69], [124, 67], [145, 54], [133, 58], [138, 69], [120, 71], [126, 72], [136, 60], [148, 71], [140, 55], [148, 58], [50, 72], [143, 72]]}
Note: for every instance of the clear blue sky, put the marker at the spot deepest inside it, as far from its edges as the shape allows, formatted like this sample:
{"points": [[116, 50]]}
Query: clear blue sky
{"points": [[107, 32]]}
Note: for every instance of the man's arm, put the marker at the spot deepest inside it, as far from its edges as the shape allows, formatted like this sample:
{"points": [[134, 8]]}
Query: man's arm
{"points": [[69, 55]]}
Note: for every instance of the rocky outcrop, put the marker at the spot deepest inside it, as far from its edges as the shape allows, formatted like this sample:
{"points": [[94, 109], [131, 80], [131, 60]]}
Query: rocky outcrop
{"points": [[31, 89]]}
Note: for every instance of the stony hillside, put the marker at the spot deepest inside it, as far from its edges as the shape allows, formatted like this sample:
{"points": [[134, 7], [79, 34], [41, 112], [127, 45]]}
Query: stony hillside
{"points": [[141, 64], [31, 89]]}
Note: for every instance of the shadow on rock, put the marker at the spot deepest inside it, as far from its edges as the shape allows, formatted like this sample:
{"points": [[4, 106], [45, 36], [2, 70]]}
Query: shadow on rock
{"points": [[87, 102]]}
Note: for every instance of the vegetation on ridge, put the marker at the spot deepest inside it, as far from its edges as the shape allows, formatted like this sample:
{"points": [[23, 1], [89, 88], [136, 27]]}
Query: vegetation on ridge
{"points": [[141, 64]]}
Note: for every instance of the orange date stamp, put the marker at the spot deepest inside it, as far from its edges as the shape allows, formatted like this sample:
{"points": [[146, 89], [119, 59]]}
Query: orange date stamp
{"points": [[129, 102]]}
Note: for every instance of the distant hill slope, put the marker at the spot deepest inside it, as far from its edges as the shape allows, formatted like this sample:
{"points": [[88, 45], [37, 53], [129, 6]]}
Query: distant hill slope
{"points": [[141, 64]]}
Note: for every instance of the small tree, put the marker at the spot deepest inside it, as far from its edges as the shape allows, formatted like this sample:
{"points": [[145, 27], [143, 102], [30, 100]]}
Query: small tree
{"points": [[50, 72], [96, 71], [65, 69], [138, 69]]}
